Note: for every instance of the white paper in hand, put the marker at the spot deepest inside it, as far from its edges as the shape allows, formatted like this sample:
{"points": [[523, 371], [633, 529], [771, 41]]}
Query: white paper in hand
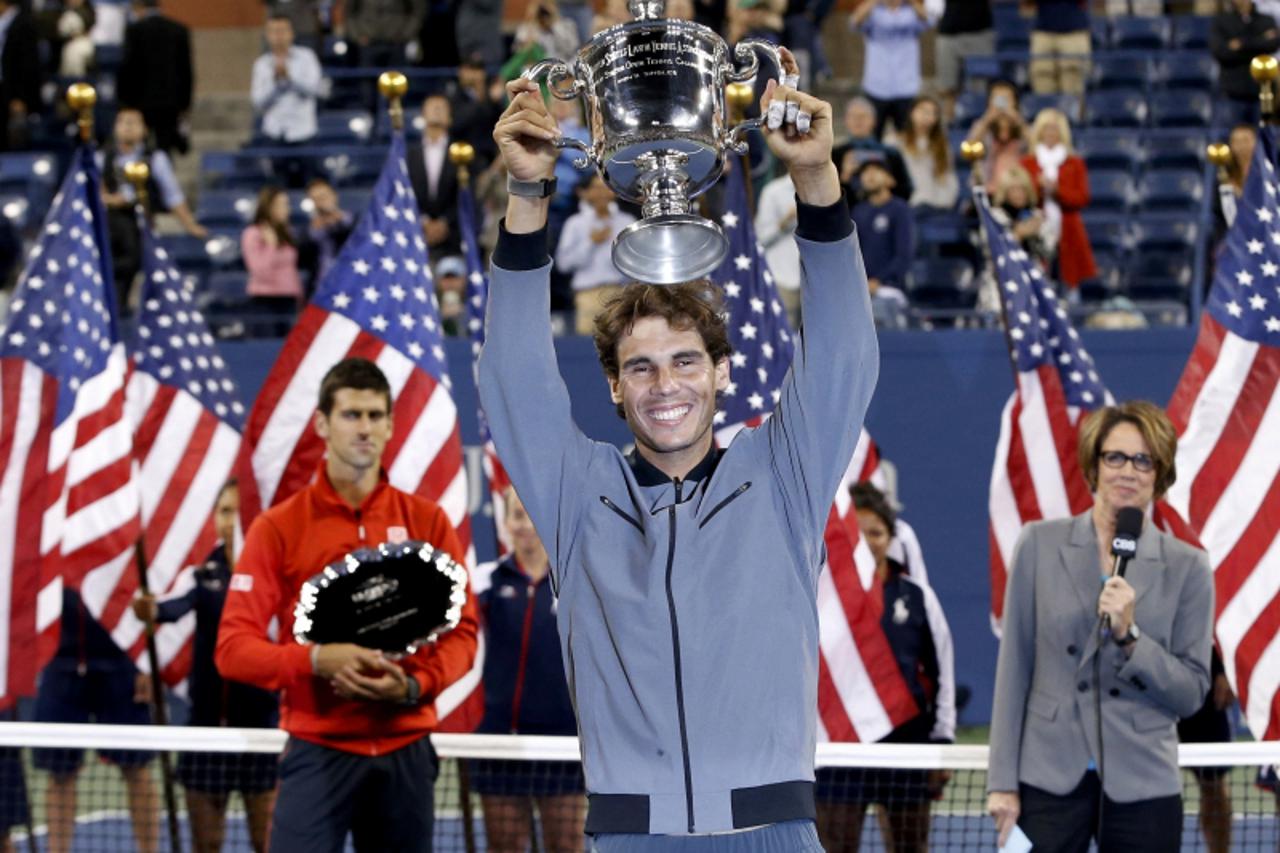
{"points": [[1017, 841]]}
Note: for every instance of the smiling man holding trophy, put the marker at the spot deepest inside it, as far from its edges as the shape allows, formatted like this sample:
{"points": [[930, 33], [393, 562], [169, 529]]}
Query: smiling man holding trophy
{"points": [[686, 573]]}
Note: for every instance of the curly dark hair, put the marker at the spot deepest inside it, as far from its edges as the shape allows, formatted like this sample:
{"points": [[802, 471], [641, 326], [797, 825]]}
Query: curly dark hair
{"points": [[867, 496], [694, 305]]}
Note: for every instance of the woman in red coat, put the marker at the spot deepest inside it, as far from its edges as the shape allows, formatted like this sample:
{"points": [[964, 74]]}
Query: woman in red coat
{"points": [[1063, 181]]}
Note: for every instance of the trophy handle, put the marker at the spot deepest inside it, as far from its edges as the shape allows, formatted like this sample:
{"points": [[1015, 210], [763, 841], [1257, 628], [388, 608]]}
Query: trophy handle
{"points": [[558, 73], [748, 52]]}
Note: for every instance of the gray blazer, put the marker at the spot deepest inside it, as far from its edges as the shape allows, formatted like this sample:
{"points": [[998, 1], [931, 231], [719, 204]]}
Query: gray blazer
{"points": [[1043, 725]]}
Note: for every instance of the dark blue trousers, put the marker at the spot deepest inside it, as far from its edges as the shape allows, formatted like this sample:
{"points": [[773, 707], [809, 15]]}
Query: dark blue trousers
{"points": [[385, 801]]}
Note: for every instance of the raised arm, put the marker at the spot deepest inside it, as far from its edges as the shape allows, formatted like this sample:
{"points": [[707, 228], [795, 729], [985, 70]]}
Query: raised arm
{"points": [[814, 428], [523, 394]]}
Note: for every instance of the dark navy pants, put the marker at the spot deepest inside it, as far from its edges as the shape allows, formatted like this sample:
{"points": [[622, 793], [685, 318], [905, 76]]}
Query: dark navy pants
{"points": [[384, 801]]}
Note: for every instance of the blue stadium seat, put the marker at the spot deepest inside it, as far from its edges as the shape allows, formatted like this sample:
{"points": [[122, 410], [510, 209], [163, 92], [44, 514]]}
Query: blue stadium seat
{"points": [[1141, 33], [1108, 232], [335, 51], [34, 175], [1099, 32], [1107, 282], [1109, 149], [343, 127], [234, 169], [1191, 32], [1013, 35], [355, 200], [1171, 191], [1110, 190], [1120, 71], [354, 168], [1116, 108], [1180, 108], [186, 251], [1228, 113], [1177, 149], [17, 209], [225, 289], [226, 208], [937, 229], [969, 106], [1188, 70], [223, 248], [942, 283], [1159, 234], [1032, 104], [107, 57], [979, 69], [1160, 275]]}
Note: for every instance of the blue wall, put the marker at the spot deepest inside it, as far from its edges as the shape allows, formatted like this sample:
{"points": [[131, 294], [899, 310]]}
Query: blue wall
{"points": [[935, 415]]}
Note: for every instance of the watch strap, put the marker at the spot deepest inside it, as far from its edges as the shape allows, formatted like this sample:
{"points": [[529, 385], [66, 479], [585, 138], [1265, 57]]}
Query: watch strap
{"points": [[544, 188], [1131, 636]]}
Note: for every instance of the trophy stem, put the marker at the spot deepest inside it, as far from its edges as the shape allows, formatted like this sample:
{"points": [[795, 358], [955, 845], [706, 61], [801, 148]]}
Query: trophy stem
{"points": [[664, 185]]}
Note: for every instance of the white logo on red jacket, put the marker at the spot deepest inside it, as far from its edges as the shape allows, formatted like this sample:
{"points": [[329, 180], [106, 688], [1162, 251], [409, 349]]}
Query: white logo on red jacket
{"points": [[241, 583], [396, 535]]}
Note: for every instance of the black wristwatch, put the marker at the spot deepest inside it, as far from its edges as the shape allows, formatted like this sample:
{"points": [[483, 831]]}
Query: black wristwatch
{"points": [[544, 188], [1131, 637], [414, 692]]}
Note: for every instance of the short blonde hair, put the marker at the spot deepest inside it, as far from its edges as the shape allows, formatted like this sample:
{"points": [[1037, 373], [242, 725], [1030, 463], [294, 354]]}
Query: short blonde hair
{"points": [[1150, 420], [1016, 176], [1048, 116]]}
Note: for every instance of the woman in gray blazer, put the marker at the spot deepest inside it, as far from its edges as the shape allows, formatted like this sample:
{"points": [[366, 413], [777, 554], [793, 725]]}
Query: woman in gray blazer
{"points": [[1056, 770]]}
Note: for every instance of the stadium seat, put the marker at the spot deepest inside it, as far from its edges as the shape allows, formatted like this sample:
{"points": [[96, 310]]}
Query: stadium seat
{"points": [[1109, 279], [34, 175], [1013, 34], [1171, 191], [354, 168], [1188, 70], [1110, 191], [226, 288], [1032, 104], [223, 248], [1116, 108], [1152, 233], [1191, 32], [234, 170], [355, 201], [1099, 32], [335, 51], [225, 208], [979, 69], [1160, 275], [1181, 109], [1120, 71], [17, 210], [1109, 149], [969, 107], [1141, 33], [942, 283], [936, 229], [1108, 232], [1228, 113], [186, 251], [1177, 149], [343, 127]]}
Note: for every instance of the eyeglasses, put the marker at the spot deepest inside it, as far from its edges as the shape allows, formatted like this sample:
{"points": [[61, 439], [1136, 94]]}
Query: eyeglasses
{"points": [[1116, 459]]}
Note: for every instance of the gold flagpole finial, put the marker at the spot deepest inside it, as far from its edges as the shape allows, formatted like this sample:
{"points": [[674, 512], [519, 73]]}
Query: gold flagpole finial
{"points": [[81, 97], [461, 154], [138, 173], [739, 97], [393, 85], [1265, 69]]}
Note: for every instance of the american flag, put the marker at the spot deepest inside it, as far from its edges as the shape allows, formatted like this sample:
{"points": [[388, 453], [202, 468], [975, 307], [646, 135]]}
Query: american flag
{"points": [[477, 304], [378, 302], [186, 416], [861, 692], [1227, 412], [1036, 474], [68, 495]]}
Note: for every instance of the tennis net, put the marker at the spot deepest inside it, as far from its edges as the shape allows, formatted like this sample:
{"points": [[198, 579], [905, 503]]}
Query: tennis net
{"points": [[871, 796]]}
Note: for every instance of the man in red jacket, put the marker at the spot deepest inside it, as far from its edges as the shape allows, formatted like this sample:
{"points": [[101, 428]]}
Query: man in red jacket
{"points": [[358, 758]]}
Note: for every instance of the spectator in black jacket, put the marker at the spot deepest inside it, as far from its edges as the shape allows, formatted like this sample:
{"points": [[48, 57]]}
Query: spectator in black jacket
{"points": [[1240, 32], [19, 74], [155, 73], [476, 103], [435, 179], [862, 146]]}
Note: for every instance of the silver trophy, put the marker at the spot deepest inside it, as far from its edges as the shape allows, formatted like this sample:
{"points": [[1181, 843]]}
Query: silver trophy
{"points": [[655, 103]]}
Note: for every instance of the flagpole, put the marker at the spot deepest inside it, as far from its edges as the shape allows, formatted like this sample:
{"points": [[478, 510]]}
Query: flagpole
{"points": [[739, 97], [973, 153], [138, 173], [393, 85]]}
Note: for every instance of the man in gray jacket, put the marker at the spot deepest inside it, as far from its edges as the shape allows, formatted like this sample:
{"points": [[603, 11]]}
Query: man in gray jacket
{"points": [[686, 574]]}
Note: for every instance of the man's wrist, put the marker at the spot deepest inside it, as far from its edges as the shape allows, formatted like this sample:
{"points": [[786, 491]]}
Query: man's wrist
{"points": [[819, 186], [527, 215], [315, 659], [412, 691]]}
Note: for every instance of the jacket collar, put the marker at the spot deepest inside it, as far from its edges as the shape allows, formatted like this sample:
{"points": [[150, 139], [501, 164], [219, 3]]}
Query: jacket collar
{"points": [[323, 491], [647, 474]]}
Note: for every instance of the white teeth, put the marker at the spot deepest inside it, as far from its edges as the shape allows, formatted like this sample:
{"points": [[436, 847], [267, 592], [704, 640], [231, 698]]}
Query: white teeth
{"points": [[671, 414]]}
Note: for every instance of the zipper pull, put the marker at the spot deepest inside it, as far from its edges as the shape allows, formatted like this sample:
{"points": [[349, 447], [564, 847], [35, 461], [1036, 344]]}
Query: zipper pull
{"points": [[679, 484]]}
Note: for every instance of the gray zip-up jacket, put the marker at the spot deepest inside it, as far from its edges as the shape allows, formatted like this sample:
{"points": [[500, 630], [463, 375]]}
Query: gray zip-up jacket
{"points": [[687, 608]]}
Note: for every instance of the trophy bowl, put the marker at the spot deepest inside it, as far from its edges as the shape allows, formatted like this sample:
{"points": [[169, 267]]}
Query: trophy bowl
{"points": [[394, 598], [653, 90]]}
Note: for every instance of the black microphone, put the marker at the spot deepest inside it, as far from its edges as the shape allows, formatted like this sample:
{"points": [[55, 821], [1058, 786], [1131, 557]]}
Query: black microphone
{"points": [[1125, 544]]}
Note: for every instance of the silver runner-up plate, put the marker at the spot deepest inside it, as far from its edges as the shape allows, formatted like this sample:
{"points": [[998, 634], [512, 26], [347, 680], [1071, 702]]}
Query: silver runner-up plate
{"points": [[394, 598]]}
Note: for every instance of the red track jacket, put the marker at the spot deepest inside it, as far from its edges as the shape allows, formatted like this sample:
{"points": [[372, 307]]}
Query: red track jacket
{"points": [[285, 546]]}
